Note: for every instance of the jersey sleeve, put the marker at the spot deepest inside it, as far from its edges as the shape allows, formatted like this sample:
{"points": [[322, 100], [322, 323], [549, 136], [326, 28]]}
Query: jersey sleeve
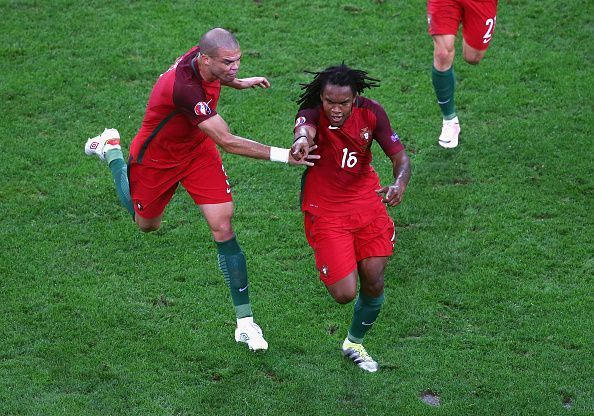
{"points": [[308, 116], [190, 100], [383, 133]]}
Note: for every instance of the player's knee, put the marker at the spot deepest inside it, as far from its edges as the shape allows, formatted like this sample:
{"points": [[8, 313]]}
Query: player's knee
{"points": [[473, 59], [344, 297], [221, 229], [343, 293], [147, 228], [472, 56], [223, 233], [375, 288], [443, 59]]}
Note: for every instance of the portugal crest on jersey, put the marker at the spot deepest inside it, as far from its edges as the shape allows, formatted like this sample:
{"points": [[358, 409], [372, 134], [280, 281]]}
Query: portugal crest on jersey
{"points": [[364, 134]]}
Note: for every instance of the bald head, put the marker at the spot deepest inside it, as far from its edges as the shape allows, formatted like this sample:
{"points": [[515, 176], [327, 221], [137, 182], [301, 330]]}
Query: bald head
{"points": [[216, 39]]}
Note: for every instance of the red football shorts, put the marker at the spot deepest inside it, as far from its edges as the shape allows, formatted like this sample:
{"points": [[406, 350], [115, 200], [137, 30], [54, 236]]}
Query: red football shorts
{"points": [[339, 243], [478, 19], [203, 177]]}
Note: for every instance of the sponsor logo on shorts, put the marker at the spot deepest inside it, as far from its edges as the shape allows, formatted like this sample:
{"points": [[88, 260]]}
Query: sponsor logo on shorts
{"points": [[202, 109], [299, 121], [394, 137], [139, 206], [241, 289], [325, 270]]}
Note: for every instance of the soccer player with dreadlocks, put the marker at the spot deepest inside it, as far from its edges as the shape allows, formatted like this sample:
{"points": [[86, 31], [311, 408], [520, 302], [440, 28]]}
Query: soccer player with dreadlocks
{"points": [[344, 205]]}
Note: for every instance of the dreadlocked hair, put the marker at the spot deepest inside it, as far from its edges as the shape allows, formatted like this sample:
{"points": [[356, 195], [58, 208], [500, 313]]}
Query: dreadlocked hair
{"points": [[340, 75]]}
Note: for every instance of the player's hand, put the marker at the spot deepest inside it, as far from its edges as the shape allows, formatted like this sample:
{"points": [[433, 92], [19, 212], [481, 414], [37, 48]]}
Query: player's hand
{"points": [[254, 82], [304, 160], [300, 149], [392, 195]]}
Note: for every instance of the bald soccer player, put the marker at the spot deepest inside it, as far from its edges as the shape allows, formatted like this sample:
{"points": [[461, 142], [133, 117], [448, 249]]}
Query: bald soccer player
{"points": [[177, 144]]}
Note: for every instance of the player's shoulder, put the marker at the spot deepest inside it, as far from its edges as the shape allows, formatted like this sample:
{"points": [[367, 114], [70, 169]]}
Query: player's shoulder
{"points": [[368, 103], [369, 107], [185, 63], [308, 115]]}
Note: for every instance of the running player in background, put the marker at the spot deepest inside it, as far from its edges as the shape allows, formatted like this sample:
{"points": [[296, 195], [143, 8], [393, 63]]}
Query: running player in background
{"points": [[478, 18], [177, 144], [346, 220]]}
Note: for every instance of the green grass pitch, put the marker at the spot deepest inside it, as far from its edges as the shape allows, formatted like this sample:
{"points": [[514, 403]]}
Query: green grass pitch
{"points": [[489, 296]]}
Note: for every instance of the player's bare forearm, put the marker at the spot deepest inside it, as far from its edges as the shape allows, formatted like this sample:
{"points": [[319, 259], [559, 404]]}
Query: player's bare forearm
{"points": [[245, 147], [250, 148], [217, 129], [243, 83], [401, 169], [305, 131], [393, 194], [303, 141]]}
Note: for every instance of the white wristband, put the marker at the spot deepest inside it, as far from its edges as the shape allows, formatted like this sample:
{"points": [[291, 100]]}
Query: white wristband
{"points": [[278, 154]]}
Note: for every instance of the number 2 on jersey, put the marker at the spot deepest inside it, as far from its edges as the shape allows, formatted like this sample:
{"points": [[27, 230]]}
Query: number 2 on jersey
{"points": [[348, 158], [490, 23]]}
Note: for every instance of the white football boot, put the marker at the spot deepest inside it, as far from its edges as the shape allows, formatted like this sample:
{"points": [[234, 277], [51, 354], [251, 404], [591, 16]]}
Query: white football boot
{"points": [[109, 139], [249, 332], [357, 354], [450, 130]]}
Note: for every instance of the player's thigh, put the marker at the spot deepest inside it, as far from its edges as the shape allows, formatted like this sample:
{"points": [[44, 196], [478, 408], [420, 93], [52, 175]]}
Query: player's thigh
{"points": [[151, 190], [333, 247], [478, 25]]}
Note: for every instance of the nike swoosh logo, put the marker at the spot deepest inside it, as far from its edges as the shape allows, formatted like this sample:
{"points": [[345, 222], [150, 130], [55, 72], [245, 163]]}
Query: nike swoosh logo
{"points": [[443, 102], [241, 289], [366, 324]]}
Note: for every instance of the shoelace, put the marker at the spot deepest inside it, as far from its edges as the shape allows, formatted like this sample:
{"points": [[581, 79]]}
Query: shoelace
{"points": [[361, 351]]}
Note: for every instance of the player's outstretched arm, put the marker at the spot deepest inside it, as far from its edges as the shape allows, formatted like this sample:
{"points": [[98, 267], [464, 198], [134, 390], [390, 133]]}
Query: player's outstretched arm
{"points": [[401, 168], [243, 83], [217, 129]]}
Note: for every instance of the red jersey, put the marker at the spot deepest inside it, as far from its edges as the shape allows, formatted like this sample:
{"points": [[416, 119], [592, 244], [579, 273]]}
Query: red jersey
{"points": [[179, 102], [343, 182]]}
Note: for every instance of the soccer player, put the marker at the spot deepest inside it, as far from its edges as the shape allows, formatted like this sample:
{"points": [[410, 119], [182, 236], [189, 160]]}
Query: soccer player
{"points": [[177, 144], [478, 18], [346, 221]]}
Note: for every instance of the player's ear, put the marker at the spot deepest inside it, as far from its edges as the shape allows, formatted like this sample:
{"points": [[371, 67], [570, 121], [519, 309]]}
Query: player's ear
{"points": [[205, 59]]}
